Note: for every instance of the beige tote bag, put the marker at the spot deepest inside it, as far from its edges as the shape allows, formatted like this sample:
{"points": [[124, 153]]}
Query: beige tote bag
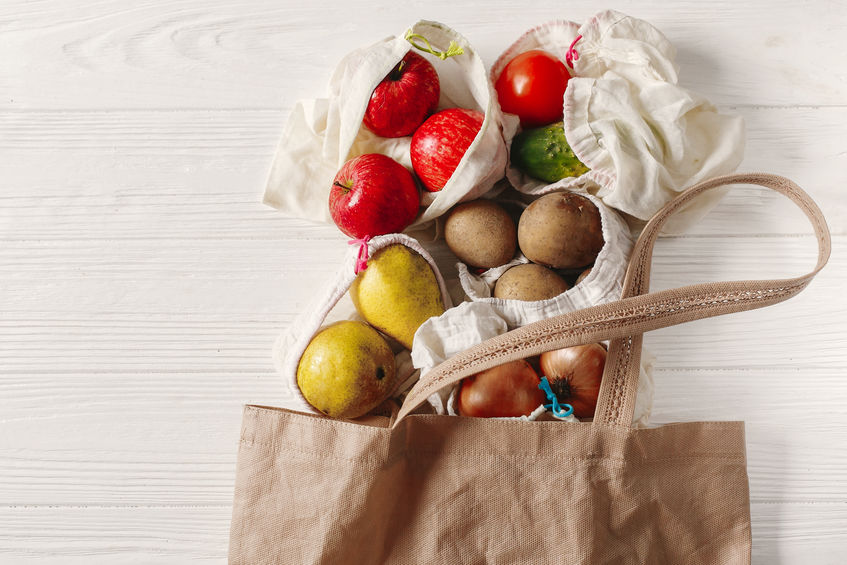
{"points": [[420, 488]]}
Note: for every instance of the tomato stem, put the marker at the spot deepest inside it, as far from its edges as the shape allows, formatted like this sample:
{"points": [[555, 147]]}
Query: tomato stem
{"points": [[452, 49]]}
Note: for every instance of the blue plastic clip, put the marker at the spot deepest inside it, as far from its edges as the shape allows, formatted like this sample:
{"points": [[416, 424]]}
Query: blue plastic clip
{"points": [[558, 410]]}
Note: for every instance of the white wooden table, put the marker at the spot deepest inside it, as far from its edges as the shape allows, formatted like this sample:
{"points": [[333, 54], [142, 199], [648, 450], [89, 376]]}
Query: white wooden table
{"points": [[142, 282]]}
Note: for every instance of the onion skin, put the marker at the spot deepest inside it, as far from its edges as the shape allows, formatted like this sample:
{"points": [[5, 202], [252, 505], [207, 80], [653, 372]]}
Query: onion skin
{"points": [[575, 374], [506, 391]]}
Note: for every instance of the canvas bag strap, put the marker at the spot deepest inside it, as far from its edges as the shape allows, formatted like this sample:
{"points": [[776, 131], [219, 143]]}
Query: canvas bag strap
{"points": [[635, 313], [616, 402]]}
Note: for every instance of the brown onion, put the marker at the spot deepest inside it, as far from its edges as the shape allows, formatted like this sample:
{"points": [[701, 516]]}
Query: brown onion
{"points": [[508, 390], [575, 374]]}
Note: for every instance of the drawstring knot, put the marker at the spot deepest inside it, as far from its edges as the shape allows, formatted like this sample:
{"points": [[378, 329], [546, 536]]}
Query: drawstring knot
{"points": [[362, 257], [572, 54], [452, 50]]}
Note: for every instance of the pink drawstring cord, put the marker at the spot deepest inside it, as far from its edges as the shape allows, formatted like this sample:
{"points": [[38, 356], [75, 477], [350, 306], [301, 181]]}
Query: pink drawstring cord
{"points": [[572, 54], [362, 258]]}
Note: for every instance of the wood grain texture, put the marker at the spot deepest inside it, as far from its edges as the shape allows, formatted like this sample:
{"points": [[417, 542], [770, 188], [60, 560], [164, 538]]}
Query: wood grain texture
{"points": [[200, 174], [142, 282], [160, 535], [103, 535], [250, 53], [136, 439], [139, 305]]}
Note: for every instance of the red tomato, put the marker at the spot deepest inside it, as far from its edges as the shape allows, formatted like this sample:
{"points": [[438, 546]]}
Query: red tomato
{"points": [[508, 390], [532, 85]]}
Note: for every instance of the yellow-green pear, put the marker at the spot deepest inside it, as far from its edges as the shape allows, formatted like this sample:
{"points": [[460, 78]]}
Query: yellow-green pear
{"points": [[397, 292], [347, 370]]}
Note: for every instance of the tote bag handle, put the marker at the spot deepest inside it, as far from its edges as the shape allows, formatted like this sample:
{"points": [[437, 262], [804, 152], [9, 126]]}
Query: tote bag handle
{"points": [[625, 320]]}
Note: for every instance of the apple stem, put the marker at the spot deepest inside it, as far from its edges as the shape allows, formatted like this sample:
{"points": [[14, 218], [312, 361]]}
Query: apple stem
{"points": [[452, 49], [397, 72], [342, 186]]}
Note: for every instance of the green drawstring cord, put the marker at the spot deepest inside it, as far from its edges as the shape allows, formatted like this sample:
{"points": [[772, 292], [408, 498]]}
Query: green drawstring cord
{"points": [[452, 49]]}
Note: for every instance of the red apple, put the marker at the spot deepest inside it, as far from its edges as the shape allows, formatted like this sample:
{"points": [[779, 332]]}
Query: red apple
{"points": [[508, 390], [404, 98], [373, 195], [440, 143]]}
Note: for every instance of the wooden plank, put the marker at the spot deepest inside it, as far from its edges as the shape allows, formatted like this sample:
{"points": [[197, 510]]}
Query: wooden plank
{"points": [[797, 533], [200, 174], [142, 283], [138, 305], [793, 417], [783, 533], [242, 343], [249, 54], [135, 439], [97, 535]]}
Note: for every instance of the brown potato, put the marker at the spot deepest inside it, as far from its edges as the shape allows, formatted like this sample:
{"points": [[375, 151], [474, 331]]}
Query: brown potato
{"points": [[481, 233], [529, 282], [562, 230], [582, 276]]}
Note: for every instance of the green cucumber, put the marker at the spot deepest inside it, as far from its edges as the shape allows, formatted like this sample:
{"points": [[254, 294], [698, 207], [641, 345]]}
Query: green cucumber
{"points": [[543, 153]]}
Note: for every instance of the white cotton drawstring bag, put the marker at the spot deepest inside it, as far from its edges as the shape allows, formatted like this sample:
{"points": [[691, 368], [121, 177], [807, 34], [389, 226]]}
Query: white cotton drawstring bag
{"points": [[469, 324], [483, 316], [603, 284], [644, 137], [322, 134], [334, 304]]}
